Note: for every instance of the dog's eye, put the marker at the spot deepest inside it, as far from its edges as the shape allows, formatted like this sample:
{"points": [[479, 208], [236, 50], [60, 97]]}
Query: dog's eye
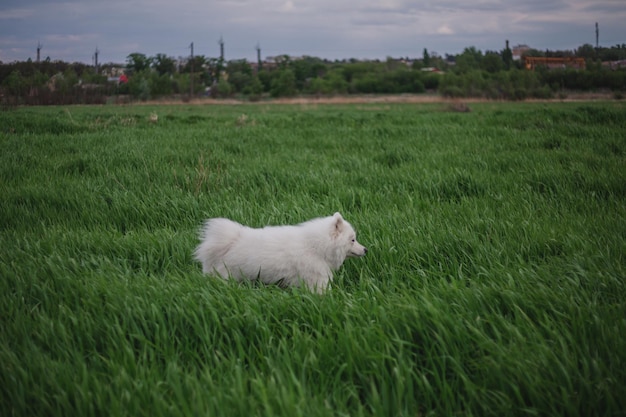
{"points": [[354, 240]]}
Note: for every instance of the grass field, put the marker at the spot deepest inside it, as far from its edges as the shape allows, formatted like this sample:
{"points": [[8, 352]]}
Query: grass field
{"points": [[494, 283]]}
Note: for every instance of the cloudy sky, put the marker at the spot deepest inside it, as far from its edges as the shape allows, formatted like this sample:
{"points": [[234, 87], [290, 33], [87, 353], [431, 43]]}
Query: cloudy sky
{"points": [[71, 30]]}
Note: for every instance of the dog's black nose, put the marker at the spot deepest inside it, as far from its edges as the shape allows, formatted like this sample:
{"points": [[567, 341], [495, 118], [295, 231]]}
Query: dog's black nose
{"points": [[364, 250]]}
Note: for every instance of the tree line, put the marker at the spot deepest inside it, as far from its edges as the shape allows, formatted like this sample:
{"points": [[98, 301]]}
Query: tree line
{"points": [[492, 74]]}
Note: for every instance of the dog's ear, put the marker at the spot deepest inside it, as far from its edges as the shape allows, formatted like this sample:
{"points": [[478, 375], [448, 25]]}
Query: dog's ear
{"points": [[337, 222]]}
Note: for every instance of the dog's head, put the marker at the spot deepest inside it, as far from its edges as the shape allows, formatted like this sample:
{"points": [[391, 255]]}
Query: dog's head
{"points": [[346, 237]]}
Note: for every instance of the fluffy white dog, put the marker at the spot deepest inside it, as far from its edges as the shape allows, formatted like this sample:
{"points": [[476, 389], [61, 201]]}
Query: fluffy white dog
{"points": [[304, 253]]}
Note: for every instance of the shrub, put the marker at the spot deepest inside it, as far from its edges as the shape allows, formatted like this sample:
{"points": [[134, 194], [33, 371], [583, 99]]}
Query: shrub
{"points": [[254, 89], [431, 81], [139, 87], [520, 93], [222, 89], [543, 92], [336, 83], [451, 91], [365, 84], [284, 85]]}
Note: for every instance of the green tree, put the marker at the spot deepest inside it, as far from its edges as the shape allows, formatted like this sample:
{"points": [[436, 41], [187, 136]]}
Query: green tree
{"points": [[161, 84], [183, 81], [533, 52], [469, 60], [201, 75], [15, 83], [214, 68], [222, 89], [139, 85], [317, 86], [137, 62], [266, 78], [283, 61], [392, 64], [254, 88], [369, 83], [198, 61], [403, 80], [586, 51], [431, 81], [336, 83], [239, 65], [239, 81], [90, 76], [426, 58], [284, 85], [614, 53], [239, 74], [163, 64], [66, 83], [507, 57], [307, 68], [39, 79], [355, 70], [492, 62]]}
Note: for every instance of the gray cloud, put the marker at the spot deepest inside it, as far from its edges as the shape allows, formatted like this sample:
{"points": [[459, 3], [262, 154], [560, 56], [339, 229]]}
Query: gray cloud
{"points": [[335, 29]]}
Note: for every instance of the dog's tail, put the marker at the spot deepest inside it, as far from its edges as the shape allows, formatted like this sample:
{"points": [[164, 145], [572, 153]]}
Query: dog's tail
{"points": [[216, 238]]}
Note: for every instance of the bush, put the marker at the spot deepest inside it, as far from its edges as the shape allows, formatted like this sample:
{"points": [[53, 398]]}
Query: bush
{"points": [[431, 81], [613, 80], [139, 87], [317, 86], [222, 89], [336, 83], [405, 81], [239, 81], [161, 85], [543, 92], [451, 91], [254, 89], [284, 85], [366, 84], [14, 84], [520, 93]]}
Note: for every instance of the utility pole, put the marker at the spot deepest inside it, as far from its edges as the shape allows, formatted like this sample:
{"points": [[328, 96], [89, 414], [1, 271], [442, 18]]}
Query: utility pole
{"points": [[95, 55], [258, 57], [220, 62], [39, 46], [191, 76]]}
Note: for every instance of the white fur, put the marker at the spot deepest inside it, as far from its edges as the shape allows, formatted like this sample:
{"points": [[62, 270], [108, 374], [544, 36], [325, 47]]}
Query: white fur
{"points": [[307, 252]]}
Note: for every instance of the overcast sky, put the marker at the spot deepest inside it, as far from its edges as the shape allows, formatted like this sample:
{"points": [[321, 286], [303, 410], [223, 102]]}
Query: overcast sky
{"points": [[71, 30]]}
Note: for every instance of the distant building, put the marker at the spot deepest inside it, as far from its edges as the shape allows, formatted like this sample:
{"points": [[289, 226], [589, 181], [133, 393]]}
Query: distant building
{"points": [[432, 69], [532, 62], [615, 64], [112, 70], [519, 50], [122, 79]]}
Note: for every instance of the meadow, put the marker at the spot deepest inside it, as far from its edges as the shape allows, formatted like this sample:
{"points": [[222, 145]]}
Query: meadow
{"points": [[494, 283]]}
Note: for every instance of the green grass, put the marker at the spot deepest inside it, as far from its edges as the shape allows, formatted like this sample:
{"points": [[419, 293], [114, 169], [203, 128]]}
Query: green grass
{"points": [[494, 283]]}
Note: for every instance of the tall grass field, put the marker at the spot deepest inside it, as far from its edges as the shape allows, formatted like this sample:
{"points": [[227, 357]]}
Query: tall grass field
{"points": [[494, 284]]}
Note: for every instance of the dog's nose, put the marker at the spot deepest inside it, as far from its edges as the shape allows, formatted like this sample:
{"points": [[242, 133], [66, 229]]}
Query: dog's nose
{"points": [[364, 250]]}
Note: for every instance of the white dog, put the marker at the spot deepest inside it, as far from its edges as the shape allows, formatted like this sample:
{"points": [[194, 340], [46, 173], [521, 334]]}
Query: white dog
{"points": [[304, 253]]}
